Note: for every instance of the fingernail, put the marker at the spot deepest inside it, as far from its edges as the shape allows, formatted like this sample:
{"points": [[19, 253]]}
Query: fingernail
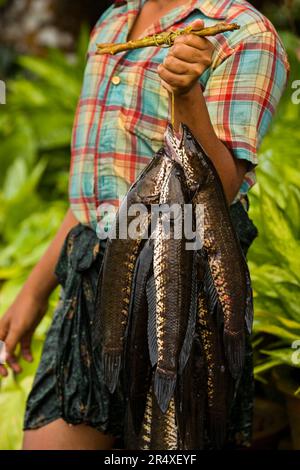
{"points": [[3, 353]]}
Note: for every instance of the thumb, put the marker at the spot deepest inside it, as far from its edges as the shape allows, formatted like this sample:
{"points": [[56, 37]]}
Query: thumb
{"points": [[197, 24]]}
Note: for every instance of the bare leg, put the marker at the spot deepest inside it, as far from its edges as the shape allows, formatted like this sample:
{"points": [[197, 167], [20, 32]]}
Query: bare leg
{"points": [[59, 435]]}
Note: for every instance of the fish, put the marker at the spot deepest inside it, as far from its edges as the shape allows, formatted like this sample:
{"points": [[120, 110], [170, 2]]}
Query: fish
{"points": [[220, 384], [227, 264], [137, 366], [191, 400], [115, 278], [158, 431], [164, 431], [142, 441], [172, 268]]}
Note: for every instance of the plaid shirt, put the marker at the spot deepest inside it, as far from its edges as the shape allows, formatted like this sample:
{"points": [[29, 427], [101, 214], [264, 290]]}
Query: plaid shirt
{"points": [[123, 108]]}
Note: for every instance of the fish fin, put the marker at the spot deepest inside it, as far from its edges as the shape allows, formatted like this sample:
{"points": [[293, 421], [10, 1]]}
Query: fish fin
{"points": [[249, 303], [97, 320], [210, 290], [152, 332], [111, 363], [188, 340], [234, 345], [164, 387]]}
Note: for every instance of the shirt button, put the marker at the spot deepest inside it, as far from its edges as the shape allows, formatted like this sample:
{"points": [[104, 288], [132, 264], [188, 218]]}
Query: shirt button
{"points": [[116, 80]]}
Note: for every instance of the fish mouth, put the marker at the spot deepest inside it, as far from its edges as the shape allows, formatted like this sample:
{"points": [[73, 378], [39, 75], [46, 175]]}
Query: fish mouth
{"points": [[174, 140], [172, 135]]}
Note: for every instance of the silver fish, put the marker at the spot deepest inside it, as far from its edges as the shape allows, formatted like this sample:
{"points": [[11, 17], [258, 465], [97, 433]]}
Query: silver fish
{"points": [[172, 266]]}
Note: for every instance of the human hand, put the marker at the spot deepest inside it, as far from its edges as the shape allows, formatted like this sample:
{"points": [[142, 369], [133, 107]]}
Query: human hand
{"points": [[17, 327], [186, 61]]}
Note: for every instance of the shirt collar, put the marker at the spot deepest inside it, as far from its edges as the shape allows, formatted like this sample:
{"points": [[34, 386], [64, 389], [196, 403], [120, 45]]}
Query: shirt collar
{"points": [[210, 8]]}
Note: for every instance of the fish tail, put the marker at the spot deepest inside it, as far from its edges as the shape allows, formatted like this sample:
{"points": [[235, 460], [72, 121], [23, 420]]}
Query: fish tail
{"points": [[111, 363], [164, 387], [234, 345]]}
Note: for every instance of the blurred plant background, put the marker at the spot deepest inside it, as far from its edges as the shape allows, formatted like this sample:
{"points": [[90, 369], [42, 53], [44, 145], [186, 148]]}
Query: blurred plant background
{"points": [[42, 48]]}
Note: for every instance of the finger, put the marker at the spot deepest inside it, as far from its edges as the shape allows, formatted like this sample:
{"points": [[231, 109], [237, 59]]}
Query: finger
{"points": [[186, 53], [193, 41], [3, 333], [13, 363], [26, 349], [172, 79], [175, 65], [197, 24], [166, 86]]}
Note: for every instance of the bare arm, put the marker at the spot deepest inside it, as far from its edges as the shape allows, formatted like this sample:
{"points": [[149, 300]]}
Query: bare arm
{"points": [[191, 109], [20, 320], [42, 280]]}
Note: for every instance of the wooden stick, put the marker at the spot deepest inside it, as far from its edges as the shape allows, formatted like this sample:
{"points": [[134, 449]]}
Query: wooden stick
{"points": [[165, 39]]}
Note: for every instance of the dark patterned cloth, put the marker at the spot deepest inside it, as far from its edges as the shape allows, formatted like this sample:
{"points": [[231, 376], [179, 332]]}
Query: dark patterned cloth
{"points": [[68, 383]]}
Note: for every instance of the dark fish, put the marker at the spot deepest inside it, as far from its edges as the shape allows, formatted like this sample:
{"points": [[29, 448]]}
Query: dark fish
{"points": [[164, 434], [219, 380], [158, 431], [142, 441], [227, 264], [172, 266], [191, 400], [115, 281], [137, 363]]}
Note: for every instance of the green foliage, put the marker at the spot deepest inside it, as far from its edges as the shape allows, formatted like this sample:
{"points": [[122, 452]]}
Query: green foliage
{"points": [[275, 255], [35, 133]]}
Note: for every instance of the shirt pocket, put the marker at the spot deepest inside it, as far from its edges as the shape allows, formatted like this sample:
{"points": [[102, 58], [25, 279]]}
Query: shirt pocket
{"points": [[147, 104]]}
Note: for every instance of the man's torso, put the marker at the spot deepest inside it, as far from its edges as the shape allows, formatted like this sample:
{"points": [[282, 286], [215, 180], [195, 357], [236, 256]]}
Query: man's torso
{"points": [[123, 109]]}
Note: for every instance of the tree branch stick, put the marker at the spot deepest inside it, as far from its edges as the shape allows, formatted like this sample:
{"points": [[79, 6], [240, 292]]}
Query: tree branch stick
{"points": [[165, 39]]}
